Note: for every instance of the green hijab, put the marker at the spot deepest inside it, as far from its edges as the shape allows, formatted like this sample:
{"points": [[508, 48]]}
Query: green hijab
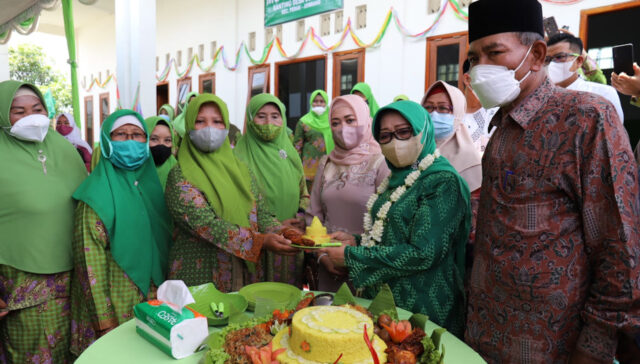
{"points": [[132, 207], [365, 89], [171, 112], [420, 121], [223, 179], [320, 122], [36, 209], [401, 97], [275, 163], [164, 169], [179, 121]]}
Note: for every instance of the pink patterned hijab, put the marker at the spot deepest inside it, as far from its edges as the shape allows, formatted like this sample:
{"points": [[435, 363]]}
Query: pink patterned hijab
{"points": [[367, 145]]}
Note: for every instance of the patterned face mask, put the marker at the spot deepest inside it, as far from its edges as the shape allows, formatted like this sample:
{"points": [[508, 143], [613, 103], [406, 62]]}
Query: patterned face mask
{"points": [[266, 132]]}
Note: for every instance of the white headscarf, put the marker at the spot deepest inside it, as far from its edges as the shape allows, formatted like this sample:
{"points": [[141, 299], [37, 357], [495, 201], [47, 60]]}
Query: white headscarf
{"points": [[74, 137]]}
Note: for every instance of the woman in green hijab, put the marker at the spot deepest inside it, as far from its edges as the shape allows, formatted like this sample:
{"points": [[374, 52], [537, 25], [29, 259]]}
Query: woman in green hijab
{"points": [[312, 137], [122, 235], [40, 170], [268, 152], [223, 223], [416, 229], [364, 90], [178, 121], [168, 110], [161, 146]]}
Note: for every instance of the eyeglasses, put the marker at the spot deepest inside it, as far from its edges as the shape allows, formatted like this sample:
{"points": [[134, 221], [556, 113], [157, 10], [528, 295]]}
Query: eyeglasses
{"points": [[400, 134], [560, 57], [126, 136], [442, 109]]}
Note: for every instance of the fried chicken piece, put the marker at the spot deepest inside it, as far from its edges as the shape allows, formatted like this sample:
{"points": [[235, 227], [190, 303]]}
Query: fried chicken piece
{"points": [[296, 237], [395, 355], [413, 342]]}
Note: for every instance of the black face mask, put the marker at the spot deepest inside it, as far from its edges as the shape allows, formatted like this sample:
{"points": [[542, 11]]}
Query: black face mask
{"points": [[160, 153]]}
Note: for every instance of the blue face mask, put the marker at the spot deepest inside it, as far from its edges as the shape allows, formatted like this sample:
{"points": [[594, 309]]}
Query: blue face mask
{"points": [[442, 124], [129, 154]]}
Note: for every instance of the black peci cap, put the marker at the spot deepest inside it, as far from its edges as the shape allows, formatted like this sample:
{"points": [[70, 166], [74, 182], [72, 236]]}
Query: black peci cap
{"points": [[488, 17]]}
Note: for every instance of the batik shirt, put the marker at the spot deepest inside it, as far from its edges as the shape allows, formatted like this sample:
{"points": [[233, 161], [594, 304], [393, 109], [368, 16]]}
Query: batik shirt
{"points": [[556, 264]]}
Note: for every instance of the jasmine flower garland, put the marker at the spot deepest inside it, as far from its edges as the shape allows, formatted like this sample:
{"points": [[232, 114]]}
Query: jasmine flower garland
{"points": [[373, 233]]}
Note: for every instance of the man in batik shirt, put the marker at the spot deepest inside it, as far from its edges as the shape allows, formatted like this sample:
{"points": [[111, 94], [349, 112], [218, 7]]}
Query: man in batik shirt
{"points": [[556, 267]]}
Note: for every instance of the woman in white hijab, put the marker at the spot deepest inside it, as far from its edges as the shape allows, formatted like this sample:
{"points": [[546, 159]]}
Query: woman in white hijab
{"points": [[66, 125]]}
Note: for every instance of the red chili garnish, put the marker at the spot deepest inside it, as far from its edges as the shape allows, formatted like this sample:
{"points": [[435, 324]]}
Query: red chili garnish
{"points": [[370, 346], [337, 360], [305, 346]]}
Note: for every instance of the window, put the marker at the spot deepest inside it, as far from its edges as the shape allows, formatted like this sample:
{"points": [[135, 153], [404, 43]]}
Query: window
{"points": [[602, 56], [184, 87], [207, 83], [348, 69], [104, 107], [162, 94], [295, 81], [88, 119], [445, 55], [258, 80]]}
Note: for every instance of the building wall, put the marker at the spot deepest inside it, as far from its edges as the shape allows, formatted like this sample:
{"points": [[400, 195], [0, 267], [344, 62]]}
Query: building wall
{"points": [[397, 66]]}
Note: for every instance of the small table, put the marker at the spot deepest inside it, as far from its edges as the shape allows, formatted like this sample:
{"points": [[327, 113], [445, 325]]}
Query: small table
{"points": [[123, 345]]}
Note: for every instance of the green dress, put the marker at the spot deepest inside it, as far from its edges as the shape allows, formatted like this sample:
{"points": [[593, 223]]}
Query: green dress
{"points": [[104, 295], [311, 147], [417, 254], [207, 248], [421, 253], [36, 228]]}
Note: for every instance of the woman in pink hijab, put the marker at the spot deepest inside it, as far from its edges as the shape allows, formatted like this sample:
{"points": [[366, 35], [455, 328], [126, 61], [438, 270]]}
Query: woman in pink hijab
{"points": [[447, 106], [346, 178], [66, 125]]}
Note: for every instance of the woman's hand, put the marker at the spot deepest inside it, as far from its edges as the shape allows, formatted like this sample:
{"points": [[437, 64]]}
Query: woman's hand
{"points": [[323, 258], [344, 237], [627, 84], [336, 255], [3, 309], [279, 245]]}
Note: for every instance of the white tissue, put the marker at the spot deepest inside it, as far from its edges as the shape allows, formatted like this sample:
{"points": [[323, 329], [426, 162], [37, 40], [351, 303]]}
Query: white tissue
{"points": [[176, 294]]}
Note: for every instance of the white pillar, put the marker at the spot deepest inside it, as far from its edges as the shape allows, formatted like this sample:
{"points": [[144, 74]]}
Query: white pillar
{"points": [[136, 53], [4, 62]]}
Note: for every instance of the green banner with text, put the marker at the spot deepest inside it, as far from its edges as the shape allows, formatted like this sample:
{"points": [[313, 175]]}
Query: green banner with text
{"points": [[282, 11]]}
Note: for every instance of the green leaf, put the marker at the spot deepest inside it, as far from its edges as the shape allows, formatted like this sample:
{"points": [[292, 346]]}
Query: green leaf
{"points": [[383, 301], [343, 296]]}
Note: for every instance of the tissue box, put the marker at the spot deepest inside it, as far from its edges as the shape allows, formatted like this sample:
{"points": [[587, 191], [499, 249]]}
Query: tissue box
{"points": [[176, 334]]}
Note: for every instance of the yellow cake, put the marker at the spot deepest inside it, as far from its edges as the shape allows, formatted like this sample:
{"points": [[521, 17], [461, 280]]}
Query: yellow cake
{"points": [[317, 232], [319, 334]]}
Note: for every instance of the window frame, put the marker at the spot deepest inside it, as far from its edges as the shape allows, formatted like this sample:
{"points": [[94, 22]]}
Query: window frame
{"points": [[431, 73], [102, 96], [210, 76], [338, 57], [180, 82]]}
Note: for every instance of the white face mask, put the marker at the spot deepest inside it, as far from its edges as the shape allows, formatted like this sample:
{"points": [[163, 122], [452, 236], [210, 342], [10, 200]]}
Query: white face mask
{"points": [[496, 85], [32, 128], [560, 71], [319, 110]]}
